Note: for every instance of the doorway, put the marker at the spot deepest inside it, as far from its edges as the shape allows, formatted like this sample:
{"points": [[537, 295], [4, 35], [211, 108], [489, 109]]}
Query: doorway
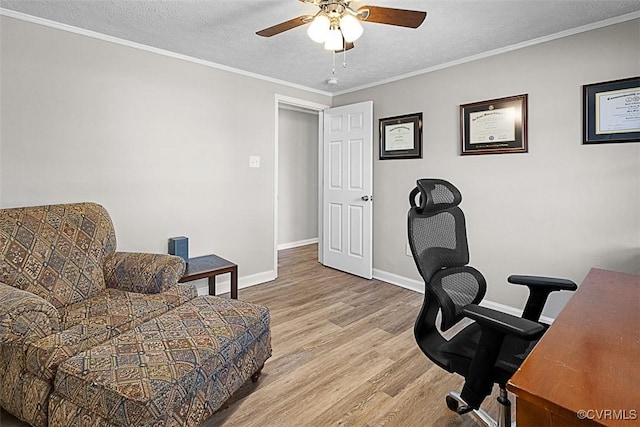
{"points": [[298, 177], [296, 116]]}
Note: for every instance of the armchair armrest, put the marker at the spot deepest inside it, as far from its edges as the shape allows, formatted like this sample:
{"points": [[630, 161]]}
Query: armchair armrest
{"points": [[143, 272], [25, 317], [539, 289]]}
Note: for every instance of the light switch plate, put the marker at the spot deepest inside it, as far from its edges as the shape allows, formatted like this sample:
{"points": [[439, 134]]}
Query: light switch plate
{"points": [[254, 161]]}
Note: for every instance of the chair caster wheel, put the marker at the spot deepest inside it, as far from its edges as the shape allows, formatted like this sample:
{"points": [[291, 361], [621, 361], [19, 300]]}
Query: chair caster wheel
{"points": [[452, 403]]}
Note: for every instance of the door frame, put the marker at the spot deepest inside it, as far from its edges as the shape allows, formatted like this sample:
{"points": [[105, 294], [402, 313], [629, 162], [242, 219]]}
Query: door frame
{"points": [[308, 105]]}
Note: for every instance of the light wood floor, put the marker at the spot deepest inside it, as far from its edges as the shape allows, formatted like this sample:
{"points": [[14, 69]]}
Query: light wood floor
{"points": [[343, 355]]}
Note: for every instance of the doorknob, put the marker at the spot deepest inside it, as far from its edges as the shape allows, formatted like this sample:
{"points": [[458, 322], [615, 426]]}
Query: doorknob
{"points": [[365, 198]]}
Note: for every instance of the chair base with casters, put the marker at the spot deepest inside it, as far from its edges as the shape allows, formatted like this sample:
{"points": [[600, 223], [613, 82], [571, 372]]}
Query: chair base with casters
{"points": [[456, 404], [494, 345]]}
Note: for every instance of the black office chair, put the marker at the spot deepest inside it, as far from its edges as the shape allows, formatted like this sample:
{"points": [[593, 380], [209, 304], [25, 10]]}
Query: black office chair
{"points": [[490, 349]]}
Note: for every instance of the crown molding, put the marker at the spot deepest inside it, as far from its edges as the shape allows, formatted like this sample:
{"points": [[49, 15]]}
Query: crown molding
{"points": [[104, 37], [517, 46], [140, 46]]}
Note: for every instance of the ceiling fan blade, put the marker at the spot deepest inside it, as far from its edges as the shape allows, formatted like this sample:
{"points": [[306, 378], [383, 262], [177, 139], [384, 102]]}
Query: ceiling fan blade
{"points": [[391, 16], [284, 26], [348, 46]]}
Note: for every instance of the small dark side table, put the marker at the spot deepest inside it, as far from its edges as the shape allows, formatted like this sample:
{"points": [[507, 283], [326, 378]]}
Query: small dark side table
{"points": [[210, 266]]}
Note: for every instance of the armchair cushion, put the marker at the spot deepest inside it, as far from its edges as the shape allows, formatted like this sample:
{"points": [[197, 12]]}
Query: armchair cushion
{"points": [[96, 320], [143, 272], [24, 316]]}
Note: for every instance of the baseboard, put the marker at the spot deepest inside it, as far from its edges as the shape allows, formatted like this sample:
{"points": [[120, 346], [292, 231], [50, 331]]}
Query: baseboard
{"points": [[223, 284], [418, 286], [297, 244], [403, 282]]}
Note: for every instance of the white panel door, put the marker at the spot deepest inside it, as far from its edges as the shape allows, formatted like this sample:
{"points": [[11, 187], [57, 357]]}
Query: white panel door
{"points": [[347, 188]]}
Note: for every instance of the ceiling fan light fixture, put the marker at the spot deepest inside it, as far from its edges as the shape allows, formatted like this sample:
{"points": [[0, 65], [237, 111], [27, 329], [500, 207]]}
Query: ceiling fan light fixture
{"points": [[351, 28], [334, 40], [319, 29]]}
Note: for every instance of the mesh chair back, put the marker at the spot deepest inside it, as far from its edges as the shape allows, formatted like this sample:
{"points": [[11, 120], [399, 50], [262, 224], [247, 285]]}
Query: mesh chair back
{"points": [[438, 241], [437, 234]]}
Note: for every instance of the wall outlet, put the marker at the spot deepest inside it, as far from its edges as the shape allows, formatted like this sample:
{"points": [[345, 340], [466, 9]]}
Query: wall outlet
{"points": [[254, 161], [408, 250]]}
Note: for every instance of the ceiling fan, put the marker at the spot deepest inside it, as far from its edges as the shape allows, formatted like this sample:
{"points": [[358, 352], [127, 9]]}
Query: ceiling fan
{"points": [[337, 24]]}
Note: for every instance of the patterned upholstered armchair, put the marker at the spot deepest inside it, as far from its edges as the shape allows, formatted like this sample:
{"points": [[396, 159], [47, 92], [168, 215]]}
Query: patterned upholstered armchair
{"points": [[65, 289]]}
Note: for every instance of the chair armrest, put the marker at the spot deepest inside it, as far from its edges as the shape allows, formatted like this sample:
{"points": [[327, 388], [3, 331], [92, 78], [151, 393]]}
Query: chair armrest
{"points": [[504, 323], [143, 273], [552, 283], [539, 289], [25, 317], [494, 327]]}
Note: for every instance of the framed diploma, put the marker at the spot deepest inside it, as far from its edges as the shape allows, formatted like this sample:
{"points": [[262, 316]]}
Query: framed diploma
{"points": [[611, 111], [401, 137], [495, 126]]}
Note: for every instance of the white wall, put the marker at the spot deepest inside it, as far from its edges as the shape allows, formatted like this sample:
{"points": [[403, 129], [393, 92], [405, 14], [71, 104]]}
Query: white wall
{"points": [[559, 209], [162, 143], [297, 176]]}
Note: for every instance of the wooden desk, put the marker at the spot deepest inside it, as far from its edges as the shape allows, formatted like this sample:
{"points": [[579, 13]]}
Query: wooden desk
{"points": [[210, 266], [585, 371]]}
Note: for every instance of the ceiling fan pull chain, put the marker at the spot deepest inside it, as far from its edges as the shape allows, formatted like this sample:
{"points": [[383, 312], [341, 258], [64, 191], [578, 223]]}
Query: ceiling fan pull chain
{"points": [[344, 54], [333, 69]]}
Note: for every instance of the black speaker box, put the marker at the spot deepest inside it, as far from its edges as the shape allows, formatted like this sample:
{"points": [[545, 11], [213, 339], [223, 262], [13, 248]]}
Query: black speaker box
{"points": [[179, 246]]}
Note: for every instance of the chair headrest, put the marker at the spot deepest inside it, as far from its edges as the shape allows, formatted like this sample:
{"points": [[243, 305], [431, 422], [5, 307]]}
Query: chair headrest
{"points": [[434, 195]]}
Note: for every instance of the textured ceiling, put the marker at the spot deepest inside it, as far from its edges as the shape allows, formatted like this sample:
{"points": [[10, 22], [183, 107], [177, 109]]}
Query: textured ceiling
{"points": [[223, 32]]}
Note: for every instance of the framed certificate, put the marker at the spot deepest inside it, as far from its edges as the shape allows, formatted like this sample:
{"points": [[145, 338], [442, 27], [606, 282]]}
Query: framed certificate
{"points": [[494, 126], [611, 111], [401, 137]]}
